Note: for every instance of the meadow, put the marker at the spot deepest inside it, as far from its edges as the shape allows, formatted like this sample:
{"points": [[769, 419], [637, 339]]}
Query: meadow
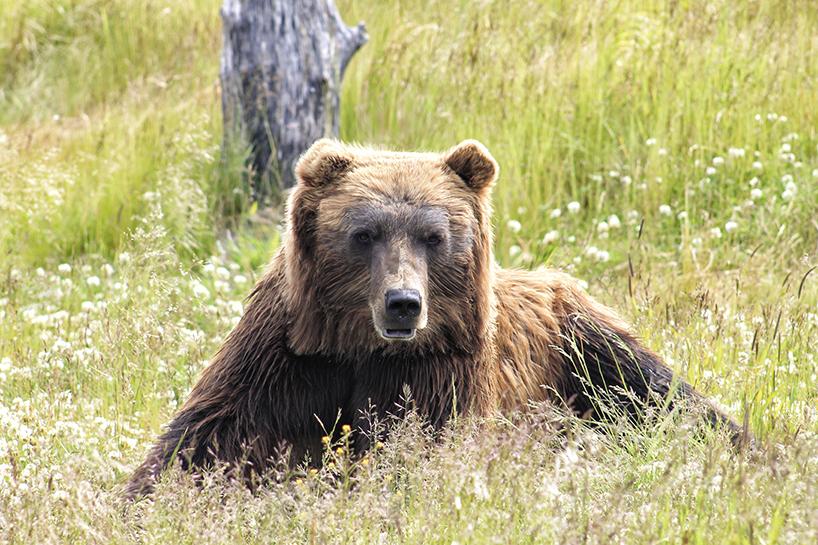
{"points": [[666, 153]]}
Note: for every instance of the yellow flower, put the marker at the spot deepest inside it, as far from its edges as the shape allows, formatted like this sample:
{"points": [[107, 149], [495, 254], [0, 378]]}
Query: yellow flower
{"points": [[346, 428], [339, 451], [313, 471], [325, 439], [378, 445]]}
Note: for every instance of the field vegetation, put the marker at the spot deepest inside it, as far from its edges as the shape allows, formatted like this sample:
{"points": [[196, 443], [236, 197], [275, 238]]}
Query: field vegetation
{"points": [[664, 152]]}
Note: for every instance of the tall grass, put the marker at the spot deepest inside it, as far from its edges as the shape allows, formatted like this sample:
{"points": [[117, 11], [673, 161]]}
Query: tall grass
{"points": [[566, 93], [105, 106], [67, 57], [664, 152]]}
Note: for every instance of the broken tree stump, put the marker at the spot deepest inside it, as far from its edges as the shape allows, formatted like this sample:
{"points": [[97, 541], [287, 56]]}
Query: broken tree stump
{"points": [[281, 69]]}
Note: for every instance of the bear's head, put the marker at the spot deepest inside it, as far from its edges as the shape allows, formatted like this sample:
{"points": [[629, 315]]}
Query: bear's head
{"points": [[388, 250]]}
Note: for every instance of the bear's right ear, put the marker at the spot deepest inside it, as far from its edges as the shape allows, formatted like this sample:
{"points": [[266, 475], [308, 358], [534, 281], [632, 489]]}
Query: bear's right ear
{"points": [[473, 163], [322, 163]]}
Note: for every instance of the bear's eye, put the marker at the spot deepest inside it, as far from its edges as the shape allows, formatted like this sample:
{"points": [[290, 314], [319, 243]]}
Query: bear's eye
{"points": [[363, 237], [433, 239]]}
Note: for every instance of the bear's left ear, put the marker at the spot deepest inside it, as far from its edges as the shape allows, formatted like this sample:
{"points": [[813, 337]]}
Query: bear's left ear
{"points": [[322, 163], [473, 163]]}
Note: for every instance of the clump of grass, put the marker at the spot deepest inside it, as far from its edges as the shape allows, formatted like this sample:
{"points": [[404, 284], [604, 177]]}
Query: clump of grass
{"points": [[108, 107], [69, 57]]}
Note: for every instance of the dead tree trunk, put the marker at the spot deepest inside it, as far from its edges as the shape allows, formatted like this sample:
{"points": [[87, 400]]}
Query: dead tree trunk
{"points": [[281, 71]]}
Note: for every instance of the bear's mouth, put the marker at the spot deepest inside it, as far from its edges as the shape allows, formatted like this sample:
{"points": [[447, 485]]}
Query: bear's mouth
{"points": [[398, 334]]}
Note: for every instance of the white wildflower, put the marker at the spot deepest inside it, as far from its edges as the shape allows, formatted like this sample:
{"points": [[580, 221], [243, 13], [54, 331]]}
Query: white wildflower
{"points": [[755, 194], [223, 273], [555, 213], [736, 152], [715, 232], [481, 490], [710, 171], [730, 226], [64, 268], [662, 151], [613, 221], [92, 281], [551, 236], [200, 290], [650, 142], [514, 226], [573, 207], [626, 180], [240, 279], [514, 250], [665, 210], [718, 161], [758, 165], [569, 457], [551, 489], [602, 227], [221, 285]]}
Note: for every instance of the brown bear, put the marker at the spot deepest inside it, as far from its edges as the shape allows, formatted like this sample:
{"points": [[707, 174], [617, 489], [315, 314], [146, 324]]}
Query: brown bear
{"points": [[386, 279]]}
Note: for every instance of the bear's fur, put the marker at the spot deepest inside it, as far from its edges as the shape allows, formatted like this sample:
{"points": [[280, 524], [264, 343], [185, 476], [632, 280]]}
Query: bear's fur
{"points": [[486, 338]]}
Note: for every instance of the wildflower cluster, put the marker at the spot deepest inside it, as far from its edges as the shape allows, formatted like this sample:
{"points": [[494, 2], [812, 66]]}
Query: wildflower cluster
{"points": [[740, 193]]}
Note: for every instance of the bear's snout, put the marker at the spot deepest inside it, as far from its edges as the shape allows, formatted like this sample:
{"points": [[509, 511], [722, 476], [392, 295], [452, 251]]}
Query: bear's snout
{"points": [[402, 312], [403, 306]]}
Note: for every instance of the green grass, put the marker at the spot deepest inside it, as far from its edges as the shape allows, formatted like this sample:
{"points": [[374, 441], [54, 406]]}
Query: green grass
{"points": [[127, 246]]}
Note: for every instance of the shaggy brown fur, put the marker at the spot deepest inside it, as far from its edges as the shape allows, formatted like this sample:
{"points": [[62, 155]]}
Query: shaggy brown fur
{"points": [[312, 340]]}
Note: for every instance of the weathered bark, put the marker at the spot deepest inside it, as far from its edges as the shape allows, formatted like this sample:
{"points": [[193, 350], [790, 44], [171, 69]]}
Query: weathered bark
{"points": [[281, 69]]}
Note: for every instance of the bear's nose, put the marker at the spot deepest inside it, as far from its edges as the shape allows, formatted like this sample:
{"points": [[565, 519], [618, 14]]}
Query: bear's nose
{"points": [[402, 304]]}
